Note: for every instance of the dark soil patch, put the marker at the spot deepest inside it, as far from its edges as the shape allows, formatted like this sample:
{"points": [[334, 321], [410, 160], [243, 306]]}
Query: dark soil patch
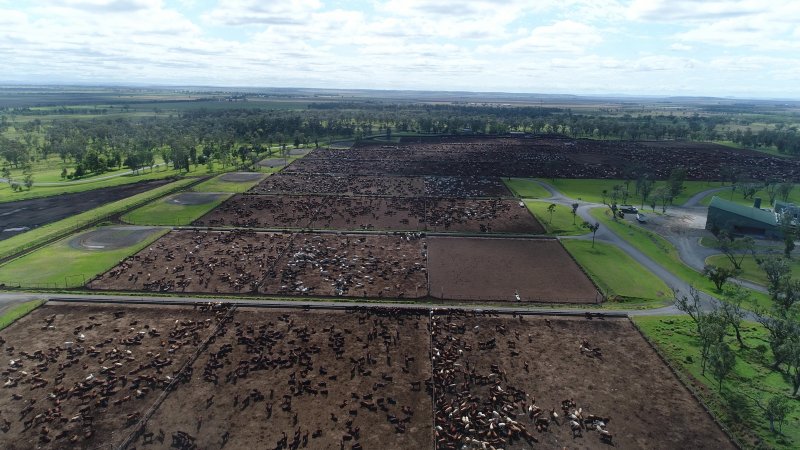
{"points": [[240, 177], [111, 238], [273, 162], [539, 270], [26, 214]]}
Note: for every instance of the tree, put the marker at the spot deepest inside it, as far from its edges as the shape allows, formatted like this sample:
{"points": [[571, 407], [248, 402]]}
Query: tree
{"points": [[593, 228], [710, 332], [645, 187], [574, 212], [731, 310], [784, 189], [675, 182], [28, 180], [689, 304], [775, 268], [64, 173], [775, 410], [791, 352], [603, 195], [779, 330], [748, 189], [551, 209], [721, 359], [789, 234], [718, 275], [661, 194], [735, 249], [771, 188], [786, 295]]}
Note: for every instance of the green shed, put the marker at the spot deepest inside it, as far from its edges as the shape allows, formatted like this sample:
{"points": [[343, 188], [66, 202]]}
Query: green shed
{"points": [[737, 218]]}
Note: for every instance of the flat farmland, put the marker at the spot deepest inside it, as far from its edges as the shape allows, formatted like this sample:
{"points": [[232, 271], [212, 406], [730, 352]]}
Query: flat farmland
{"points": [[321, 379], [371, 213], [198, 261], [538, 270]]}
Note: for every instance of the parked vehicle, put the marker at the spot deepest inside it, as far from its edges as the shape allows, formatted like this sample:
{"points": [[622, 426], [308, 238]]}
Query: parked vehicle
{"points": [[629, 209], [641, 218]]}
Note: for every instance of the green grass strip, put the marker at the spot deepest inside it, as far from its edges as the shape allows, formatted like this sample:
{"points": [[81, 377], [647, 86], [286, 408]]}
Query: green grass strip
{"points": [[32, 238], [160, 212], [562, 219], [526, 188], [618, 275], [19, 311], [676, 338]]}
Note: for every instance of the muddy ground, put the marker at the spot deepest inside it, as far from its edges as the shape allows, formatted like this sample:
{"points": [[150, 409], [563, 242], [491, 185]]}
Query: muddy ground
{"points": [[336, 379], [538, 270], [373, 213], [41, 211]]}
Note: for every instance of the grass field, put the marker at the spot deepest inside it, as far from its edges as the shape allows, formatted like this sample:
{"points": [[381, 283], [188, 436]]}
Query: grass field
{"points": [[665, 254], [30, 238], [526, 188], [217, 185], [619, 277], [736, 196], [59, 265], [562, 220], [752, 376], [7, 195], [590, 190], [161, 212], [750, 269], [18, 311]]}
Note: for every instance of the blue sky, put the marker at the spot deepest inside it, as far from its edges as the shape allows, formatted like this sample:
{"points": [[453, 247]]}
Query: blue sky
{"points": [[741, 48]]}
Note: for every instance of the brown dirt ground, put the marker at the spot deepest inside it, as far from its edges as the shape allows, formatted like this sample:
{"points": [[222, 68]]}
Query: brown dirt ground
{"points": [[648, 407], [266, 350], [198, 261], [388, 266], [263, 211], [373, 213], [540, 270], [99, 324], [285, 335]]}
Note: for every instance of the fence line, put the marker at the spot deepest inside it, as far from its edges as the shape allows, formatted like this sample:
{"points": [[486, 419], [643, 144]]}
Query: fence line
{"points": [[688, 385]]}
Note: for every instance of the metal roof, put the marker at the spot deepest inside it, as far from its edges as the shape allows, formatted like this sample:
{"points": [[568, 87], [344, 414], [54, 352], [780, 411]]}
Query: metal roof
{"points": [[766, 217]]}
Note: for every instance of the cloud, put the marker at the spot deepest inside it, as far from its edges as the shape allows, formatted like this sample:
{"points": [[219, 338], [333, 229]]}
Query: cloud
{"points": [[694, 10], [565, 36], [254, 12]]}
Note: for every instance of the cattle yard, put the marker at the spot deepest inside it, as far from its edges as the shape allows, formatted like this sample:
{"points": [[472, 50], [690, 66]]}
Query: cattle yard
{"points": [[220, 376]]}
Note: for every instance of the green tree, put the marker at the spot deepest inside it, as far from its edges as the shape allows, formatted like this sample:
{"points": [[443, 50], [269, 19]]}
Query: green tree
{"points": [[722, 360], [551, 209], [574, 212], [710, 332], [731, 309], [675, 182], [775, 268], [735, 249], [593, 228], [718, 275]]}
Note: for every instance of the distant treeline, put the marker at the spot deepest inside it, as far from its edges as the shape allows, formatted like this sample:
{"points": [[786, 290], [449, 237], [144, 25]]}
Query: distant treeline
{"points": [[195, 136]]}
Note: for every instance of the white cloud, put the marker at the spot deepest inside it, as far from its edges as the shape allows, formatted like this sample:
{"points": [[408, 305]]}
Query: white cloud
{"points": [[565, 36], [269, 12]]}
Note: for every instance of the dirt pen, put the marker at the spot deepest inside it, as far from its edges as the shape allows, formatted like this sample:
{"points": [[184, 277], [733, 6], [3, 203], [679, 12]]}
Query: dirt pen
{"points": [[373, 213], [536, 270], [113, 376], [388, 186], [376, 266]]}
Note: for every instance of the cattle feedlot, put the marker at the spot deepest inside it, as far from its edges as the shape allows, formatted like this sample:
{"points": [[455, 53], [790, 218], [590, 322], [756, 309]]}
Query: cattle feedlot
{"points": [[213, 376]]}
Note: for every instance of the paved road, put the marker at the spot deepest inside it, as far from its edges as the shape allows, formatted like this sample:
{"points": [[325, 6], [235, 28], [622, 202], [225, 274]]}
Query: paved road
{"points": [[606, 235]]}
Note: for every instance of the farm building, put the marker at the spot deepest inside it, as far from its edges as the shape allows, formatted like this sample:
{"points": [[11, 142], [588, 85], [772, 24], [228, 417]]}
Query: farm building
{"points": [[736, 218]]}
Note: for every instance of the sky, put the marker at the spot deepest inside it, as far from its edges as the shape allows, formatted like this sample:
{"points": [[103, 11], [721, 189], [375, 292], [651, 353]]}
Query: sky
{"points": [[733, 48]]}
